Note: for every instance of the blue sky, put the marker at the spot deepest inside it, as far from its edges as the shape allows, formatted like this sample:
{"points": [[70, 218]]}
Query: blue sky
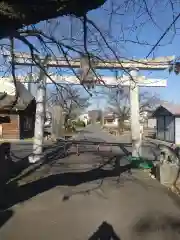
{"points": [[130, 24], [147, 30]]}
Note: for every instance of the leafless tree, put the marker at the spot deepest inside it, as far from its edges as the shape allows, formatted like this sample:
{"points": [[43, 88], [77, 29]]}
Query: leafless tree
{"points": [[71, 99], [118, 103], [95, 115], [85, 33]]}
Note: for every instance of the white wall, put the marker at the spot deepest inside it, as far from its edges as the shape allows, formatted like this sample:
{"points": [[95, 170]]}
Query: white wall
{"points": [[177, 130], [151, 123], [113, 124], [84, 117]]}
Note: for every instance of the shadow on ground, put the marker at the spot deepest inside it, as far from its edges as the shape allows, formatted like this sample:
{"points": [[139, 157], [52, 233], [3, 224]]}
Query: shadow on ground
{"points": [[52, 155], [104, 232], [157, 226], [5, 216], [13, 194]]}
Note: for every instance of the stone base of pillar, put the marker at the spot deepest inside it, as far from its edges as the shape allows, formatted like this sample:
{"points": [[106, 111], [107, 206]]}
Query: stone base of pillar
{"points": [[35, 158], [168, 174]]}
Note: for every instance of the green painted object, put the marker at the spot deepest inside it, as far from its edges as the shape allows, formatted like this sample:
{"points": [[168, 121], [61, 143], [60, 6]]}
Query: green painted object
{"points": [[138, 162]]}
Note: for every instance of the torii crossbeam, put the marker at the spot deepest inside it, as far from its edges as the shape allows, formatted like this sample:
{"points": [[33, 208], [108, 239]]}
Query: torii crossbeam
{"points": [[160, 63]]}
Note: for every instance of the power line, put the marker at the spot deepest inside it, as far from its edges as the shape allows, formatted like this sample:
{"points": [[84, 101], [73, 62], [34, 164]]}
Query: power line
{"points": [[164, 34]]}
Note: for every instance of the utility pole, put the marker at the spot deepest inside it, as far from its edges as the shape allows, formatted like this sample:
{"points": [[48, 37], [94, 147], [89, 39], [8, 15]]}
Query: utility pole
{"points": [[40, 116], [134, 110]]}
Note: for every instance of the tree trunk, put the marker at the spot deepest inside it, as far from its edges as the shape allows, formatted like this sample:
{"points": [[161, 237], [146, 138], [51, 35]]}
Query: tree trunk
{"points": [[120, 126]]}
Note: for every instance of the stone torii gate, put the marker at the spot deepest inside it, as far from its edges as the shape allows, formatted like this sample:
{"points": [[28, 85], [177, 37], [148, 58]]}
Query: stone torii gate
{"points": [[138, 81], [133, 81]]}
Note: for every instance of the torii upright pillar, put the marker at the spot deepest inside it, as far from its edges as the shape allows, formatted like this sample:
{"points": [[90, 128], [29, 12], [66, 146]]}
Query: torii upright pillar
{"points": [[39, 122], [134, 111]]}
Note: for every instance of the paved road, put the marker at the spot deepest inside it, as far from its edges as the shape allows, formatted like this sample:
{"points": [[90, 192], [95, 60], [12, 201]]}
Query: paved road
{"points": [[74, 204], [91, 132], [21, 149], [95, 133]]}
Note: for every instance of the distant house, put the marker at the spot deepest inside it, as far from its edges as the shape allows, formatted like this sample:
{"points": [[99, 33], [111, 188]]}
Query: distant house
{"points": [[148, 120], [94, 115], [151, 123], [110, 119], [168, 122], [16, 117], [84, 117]]}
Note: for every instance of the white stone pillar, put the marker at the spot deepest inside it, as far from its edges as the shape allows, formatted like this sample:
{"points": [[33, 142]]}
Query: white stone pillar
{"points": [[135, 117], [39, 122]]}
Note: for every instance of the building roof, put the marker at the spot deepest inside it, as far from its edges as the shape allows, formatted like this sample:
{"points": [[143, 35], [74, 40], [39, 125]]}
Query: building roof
{"points": [[96, 113], [6, 101], [110, 115], [174, 109]]}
